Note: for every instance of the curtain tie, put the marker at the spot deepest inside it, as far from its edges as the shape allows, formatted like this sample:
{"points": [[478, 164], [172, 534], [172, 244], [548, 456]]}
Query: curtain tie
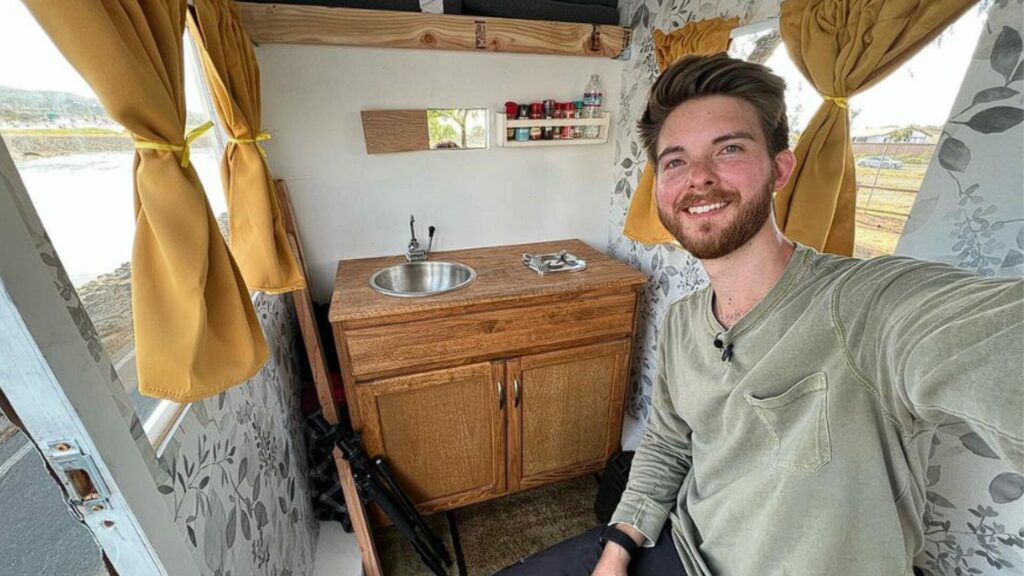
{"points": [[263, 136], [838, 101], [183, 148]]}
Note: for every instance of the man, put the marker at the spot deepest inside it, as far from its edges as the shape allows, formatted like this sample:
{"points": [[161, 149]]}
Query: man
{"points": [[797, 395]]}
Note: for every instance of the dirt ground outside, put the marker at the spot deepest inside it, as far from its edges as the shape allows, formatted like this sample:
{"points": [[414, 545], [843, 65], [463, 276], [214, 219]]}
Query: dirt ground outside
{"points": [[884, 200]]}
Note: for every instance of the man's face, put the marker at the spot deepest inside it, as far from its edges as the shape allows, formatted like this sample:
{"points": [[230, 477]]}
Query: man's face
{"points": [[715, 175]]}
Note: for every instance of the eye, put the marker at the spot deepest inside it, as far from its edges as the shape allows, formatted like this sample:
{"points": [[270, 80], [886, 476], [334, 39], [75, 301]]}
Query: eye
{"points": [[674, 163], [732, 149]]}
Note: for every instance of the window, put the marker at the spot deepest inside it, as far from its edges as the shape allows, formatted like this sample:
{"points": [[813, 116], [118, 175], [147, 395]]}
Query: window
{"points": [[894, 125], [76, 163]]}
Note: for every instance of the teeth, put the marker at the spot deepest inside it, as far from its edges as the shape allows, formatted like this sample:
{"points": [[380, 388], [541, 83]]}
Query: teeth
{"points": [[705, 208]]}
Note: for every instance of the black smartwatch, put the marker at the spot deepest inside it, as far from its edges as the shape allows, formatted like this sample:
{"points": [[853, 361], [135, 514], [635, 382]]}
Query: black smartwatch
{"points": [[613, 534]]}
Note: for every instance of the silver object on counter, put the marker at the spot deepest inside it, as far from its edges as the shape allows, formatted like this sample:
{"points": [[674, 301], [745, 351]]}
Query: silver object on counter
{"points": [[561, 261]]}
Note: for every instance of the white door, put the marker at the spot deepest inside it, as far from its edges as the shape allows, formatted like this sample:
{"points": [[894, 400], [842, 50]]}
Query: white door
{"points": [[60, 384]]}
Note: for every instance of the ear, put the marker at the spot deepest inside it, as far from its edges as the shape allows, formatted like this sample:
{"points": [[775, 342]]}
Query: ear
{"points": [[785, 163]]}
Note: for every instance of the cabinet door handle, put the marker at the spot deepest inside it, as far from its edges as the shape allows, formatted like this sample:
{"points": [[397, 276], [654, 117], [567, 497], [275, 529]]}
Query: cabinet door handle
{"points": [[501, 396], [515, 391]]}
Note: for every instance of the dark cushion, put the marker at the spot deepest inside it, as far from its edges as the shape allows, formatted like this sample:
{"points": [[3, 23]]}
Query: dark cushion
{"points": [[450, 6], [554, 10]]}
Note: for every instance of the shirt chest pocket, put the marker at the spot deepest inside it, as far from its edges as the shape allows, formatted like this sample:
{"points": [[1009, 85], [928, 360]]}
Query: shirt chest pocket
{"points": [[797, 423]]}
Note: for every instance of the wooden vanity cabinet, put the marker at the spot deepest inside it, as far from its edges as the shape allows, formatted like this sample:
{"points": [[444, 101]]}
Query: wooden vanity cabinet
{"points": [[441, 432], [489, 391], [567, 418]]}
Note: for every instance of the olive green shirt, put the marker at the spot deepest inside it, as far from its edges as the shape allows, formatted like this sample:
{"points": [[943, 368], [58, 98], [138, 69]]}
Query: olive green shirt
{"points": [[806, 452]]}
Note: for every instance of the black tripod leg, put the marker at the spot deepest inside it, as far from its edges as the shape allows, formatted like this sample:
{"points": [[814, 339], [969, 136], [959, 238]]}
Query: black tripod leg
{"points": [[383, 499], [411, 512]]}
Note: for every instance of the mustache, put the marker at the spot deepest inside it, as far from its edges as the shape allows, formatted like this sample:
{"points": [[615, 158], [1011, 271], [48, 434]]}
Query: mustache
{"points": [[711, 197]]}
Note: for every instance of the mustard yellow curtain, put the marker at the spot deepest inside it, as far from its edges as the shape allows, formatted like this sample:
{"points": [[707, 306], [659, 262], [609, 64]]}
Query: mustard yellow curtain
{"points": [[258, 240], [704, 37], [196, 332], [843, 47]]}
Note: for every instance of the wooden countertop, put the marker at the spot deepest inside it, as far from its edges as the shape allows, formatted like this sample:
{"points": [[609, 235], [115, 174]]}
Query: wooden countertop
{"points": [[501, 277]]}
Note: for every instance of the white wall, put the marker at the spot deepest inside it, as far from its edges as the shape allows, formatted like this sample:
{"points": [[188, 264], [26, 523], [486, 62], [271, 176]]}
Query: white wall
{"points": [[353, 205]]}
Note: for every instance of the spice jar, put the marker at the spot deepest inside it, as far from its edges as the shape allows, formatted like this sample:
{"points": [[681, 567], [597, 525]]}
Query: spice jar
{"points": [[511, 112], [536, 113], [568, 112], [523, 134]]}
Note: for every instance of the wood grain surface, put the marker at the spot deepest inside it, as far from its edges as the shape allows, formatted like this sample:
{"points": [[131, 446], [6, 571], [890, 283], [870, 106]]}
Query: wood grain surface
{"points": [[502, 280], [291, 24], [569, 414], [388, 131], [442, 433], [379, 351]]}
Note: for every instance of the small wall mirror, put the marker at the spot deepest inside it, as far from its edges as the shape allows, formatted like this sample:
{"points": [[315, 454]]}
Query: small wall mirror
{"points": [[387, 131], [457, 128]]}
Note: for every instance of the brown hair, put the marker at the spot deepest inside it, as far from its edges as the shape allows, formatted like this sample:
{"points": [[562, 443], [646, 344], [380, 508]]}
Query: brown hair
{"points": [[697, 76]]}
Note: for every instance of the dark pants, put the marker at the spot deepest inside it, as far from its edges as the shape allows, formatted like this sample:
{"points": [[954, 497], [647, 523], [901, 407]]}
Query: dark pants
{"points": [[578, 556]]}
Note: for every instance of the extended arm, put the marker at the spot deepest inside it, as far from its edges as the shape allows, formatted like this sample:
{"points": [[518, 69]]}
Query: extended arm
{"points": [[662, 459], [941, 344]]}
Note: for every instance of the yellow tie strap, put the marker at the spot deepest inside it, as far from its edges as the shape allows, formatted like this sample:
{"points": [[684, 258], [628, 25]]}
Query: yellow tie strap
{"points": [[838, 101], [183, 148], [263, 136]]}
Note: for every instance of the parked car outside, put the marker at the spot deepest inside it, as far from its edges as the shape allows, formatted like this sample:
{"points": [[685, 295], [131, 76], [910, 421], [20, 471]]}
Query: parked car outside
{"points": [[880, 162]]}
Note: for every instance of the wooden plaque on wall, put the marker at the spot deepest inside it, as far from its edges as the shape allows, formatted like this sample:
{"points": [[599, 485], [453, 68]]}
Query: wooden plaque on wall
{"points": [[388, 131]]}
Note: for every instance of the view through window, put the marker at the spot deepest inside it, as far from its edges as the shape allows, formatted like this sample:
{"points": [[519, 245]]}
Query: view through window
{"points": [[895, 124], [76, 163]]}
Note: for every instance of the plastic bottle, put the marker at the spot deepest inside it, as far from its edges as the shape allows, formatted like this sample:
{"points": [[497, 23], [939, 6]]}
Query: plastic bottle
{"points": [[592, 98]]}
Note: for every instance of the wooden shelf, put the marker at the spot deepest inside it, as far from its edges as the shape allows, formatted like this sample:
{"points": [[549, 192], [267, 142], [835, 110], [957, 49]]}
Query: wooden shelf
{"points": [[501, 124], [291, 24]]}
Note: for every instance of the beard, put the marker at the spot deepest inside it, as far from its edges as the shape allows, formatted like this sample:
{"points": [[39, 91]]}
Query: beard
{"points": [[702, 244]]}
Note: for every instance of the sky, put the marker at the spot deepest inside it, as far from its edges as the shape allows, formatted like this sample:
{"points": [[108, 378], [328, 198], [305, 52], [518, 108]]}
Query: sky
{"points": [[40, 66], [898, 100], [920, 92]]}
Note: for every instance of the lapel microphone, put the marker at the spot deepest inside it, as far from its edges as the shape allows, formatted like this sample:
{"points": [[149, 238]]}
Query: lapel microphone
{"points": [[725, 348]]}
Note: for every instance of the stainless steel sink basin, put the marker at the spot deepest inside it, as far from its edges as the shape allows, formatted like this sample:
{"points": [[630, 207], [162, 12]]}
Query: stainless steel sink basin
{"points": [[427, 278]]}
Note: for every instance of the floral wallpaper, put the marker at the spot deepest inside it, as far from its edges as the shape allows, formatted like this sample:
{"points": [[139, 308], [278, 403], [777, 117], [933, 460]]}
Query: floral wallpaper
{"points": [[970, 213], [235, 472]]}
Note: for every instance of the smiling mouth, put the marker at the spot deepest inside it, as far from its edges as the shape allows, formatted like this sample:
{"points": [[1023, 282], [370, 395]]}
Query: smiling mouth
{"points": [[705, 208]]}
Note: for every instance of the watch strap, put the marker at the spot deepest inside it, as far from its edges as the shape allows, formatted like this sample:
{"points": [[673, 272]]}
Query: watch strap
{"points": [[613, 534]]}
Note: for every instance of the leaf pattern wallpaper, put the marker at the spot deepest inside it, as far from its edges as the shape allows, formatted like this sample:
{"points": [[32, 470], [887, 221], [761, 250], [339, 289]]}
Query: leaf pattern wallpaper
{"points": [[235, 474], [970, 213]]}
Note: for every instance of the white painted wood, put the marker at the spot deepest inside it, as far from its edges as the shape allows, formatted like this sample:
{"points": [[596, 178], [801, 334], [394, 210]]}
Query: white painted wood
{"points": [[502, 124], [61, 390]]}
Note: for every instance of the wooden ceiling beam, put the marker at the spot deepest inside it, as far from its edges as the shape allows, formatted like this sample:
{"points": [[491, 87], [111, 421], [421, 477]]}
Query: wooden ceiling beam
{"points": [[293, 24]]}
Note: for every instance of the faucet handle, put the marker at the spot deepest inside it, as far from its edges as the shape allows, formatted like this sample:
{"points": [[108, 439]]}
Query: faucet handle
{"points": [[412, 227]]}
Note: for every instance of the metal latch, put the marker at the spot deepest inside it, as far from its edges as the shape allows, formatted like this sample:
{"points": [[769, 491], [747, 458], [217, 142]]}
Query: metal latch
{"points": [[78, 473]]}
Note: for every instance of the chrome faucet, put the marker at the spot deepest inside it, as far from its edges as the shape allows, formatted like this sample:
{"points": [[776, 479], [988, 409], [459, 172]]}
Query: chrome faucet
{"points": [[414, 253]]}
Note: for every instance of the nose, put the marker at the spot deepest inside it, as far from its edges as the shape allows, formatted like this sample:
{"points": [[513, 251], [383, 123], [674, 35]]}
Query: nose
{"points": [[702, 175]]}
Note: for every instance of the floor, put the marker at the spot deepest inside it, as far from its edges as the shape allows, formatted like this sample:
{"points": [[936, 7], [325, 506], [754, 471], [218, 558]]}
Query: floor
{"points": [[337, 553], [487, 537]]}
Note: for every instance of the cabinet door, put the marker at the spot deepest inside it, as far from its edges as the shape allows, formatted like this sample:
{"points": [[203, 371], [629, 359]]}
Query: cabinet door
{"points": [[566, 413], [442, 432]]}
